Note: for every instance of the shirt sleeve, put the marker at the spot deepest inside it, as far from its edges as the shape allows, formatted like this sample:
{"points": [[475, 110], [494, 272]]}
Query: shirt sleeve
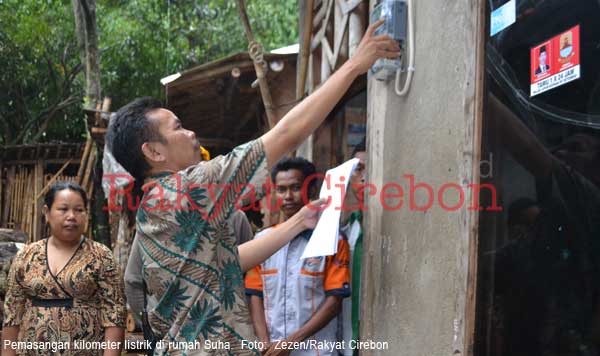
{"points": [[253, 281], [239, 175], [14, 302], [112, 298], [134, 287], [241, 227], [337, 271]]}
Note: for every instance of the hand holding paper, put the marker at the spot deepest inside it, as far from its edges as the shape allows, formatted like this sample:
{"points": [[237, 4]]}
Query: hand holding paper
{"points": [[324, 239]]}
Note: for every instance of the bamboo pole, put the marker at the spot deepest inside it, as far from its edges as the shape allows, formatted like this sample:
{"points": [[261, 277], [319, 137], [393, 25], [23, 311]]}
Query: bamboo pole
{"points": [[17, 193], [15, 210], [14, 200], [89, 166], [27, 207], [36, 186], [11, 198], [19, 209], [256, 53], [10, 181], [305, 49], [54, 178], [84, 157], [2, 200]]}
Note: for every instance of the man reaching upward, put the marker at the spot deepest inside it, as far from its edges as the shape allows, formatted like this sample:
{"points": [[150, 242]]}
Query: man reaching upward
{"points": [[192, 266]]}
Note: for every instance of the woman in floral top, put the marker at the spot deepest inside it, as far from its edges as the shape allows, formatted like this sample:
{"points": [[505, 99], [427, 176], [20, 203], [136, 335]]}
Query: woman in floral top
{"points": [[65, 294]]}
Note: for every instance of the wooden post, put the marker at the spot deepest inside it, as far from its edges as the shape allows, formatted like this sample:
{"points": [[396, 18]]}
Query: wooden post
{"points": [[356, 27], [340, 36], [89, 166], [56, 176], [105, 107], [84, 158], [256, 53], [18, 209], [305, 48], [2, 200], [27, 205], [38, 201], [10, 188]]}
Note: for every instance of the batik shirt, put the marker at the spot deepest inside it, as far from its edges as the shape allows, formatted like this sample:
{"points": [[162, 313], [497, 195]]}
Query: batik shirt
{"points": [[90, 279], [191, 266]]}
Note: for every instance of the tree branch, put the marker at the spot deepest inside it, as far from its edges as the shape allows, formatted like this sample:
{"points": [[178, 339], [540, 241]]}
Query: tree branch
{"points": [[58, 108]]}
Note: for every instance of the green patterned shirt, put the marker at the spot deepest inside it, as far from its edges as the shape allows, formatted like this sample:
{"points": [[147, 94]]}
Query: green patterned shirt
{"points": [[190, 259]]}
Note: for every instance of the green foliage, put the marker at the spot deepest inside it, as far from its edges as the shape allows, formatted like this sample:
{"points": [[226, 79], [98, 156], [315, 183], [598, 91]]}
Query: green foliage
{"points": [[39, 61], [140, 42]]}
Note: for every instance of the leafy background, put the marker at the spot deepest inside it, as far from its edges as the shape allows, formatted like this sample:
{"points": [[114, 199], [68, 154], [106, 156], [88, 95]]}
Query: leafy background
{"points": [[140, 42]]}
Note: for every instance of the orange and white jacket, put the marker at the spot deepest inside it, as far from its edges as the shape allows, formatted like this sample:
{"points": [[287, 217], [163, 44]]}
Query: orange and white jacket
{"points": [[293, 289]]}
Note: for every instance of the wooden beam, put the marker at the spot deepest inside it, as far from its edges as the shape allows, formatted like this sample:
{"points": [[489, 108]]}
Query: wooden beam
{"points": [[473, 222], [1, 192], [207, 76], [58, 150], [305, 49], [38, 185], [33, 162], [87, 174], [98, 134], [51, 181], [84, 158], [46, 151], [10, 187]]}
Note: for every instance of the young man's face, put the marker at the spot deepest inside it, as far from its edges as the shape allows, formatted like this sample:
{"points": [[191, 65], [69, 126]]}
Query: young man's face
{"points": [[180, 149], [358, 176], [288, 189]]}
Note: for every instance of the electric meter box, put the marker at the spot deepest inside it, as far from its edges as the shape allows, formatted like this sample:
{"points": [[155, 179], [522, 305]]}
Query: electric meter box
{"points": [[395, 14]]}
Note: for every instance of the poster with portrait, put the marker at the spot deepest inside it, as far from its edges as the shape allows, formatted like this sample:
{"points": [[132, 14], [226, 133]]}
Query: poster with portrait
{"points": [[555, 62]]}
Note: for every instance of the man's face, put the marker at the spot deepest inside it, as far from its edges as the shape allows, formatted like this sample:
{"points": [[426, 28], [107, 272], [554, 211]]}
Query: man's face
{"points": [[542, 58], [358, 176], [288, 189], [180, 148]]}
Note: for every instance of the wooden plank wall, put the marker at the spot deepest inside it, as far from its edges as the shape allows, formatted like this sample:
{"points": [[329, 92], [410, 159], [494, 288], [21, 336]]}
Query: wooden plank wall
{"points": [[19, 208]]}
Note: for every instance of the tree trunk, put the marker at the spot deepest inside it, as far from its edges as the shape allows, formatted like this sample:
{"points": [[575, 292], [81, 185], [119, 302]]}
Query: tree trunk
{"points": [[100, 225], [87, 36]]}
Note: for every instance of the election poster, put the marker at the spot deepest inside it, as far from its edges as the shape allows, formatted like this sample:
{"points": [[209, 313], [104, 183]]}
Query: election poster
{"points": [[555, 62]]}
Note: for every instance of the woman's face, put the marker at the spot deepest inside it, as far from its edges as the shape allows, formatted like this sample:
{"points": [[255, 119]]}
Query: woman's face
{"points": [[67, 217]]}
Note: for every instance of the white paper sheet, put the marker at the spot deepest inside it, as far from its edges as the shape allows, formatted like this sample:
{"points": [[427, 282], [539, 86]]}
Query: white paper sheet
{"points": [[324, 239]]}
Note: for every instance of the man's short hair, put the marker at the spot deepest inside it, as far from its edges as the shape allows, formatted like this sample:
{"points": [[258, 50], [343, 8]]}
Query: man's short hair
{"points": [[128, 130], [300, 163], [361, 147], [543, 49]]}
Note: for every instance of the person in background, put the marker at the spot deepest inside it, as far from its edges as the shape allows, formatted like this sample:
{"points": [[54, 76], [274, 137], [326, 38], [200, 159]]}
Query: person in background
{"points": [[294, 299], [352, 227], [66, 288]]}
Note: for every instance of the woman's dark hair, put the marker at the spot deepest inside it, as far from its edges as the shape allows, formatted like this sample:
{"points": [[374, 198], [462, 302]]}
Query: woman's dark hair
{"points": [[60, 186], [302, 164]]}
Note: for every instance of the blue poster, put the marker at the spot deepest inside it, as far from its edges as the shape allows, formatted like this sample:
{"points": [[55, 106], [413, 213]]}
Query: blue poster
{"points": [[503, 17]]}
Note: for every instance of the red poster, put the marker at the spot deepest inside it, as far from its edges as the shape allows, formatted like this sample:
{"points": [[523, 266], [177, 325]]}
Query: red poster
{"points": [[555, 62]]}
